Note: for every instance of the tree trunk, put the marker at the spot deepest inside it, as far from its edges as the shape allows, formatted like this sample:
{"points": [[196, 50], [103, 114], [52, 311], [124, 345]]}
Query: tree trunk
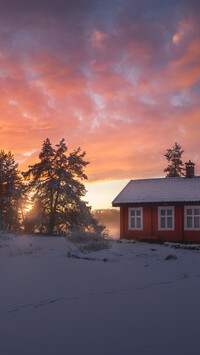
{"points": [[53, 213]]}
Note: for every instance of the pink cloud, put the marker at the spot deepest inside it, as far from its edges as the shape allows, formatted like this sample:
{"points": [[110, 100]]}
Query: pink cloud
{"points": [[123, 90]]}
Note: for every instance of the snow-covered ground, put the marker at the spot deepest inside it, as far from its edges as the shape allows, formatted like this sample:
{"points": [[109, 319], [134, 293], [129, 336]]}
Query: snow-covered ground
{"points": [[124, 300]]}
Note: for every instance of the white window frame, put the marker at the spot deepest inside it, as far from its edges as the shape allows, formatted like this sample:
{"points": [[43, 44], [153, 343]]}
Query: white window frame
{"points": [[165, 216], [130, 217], [192, 215]]}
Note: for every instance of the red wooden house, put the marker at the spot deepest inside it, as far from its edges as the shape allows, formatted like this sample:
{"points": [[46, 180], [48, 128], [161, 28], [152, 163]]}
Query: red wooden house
{"points": [[165, 208]]}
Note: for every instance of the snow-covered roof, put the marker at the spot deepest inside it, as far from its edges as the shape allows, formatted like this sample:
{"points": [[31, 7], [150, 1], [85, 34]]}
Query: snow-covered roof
{"points": [[160, 190]]}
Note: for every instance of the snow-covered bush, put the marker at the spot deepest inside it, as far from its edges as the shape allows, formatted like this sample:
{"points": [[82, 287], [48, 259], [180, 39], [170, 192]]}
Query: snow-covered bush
{"points": [[23, 250], [89, 240]]}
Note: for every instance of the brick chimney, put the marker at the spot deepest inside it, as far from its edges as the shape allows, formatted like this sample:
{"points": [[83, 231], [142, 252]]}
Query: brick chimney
{"points": [[189, 169]]}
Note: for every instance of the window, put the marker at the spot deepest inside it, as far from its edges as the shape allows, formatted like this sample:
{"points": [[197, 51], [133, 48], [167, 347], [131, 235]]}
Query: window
{"points": [[135, 218], [192, 217], [166, 218]]}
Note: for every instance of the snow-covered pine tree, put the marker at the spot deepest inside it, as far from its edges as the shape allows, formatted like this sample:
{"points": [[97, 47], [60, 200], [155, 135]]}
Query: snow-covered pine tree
{"points": [[175, 163], [11, 192], [56, 184]]}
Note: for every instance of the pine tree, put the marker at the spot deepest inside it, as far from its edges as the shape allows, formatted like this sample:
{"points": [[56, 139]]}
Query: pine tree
{"points": [[11, 192], [56, 184], [175, 163]]}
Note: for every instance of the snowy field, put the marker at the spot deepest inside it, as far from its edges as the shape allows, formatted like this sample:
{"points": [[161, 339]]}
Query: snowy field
{"points": [[130, 299]]}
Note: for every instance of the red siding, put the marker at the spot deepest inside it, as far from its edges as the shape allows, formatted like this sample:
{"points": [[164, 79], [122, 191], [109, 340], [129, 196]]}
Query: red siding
{"points": [[150, 226], [191, 236], [177, 233], [130, 234], [122, 219]]}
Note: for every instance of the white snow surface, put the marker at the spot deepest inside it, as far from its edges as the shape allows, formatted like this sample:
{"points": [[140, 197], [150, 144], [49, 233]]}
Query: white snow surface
{"points": [[160, 190], [125, 300]]}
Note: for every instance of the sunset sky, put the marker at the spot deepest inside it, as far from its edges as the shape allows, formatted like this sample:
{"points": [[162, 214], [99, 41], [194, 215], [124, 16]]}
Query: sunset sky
{"points": [[120, 79]]}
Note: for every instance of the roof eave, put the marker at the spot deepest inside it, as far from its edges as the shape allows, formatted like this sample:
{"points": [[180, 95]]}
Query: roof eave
{"points": [[167, 203]]}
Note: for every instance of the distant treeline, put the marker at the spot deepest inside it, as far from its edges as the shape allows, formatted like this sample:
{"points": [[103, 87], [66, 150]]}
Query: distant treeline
{"points": [[107, 216]]}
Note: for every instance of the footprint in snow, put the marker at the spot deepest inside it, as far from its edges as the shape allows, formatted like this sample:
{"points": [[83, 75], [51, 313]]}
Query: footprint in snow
{"points": [[165, 282], [11, 311], [142, 288], [108, 292], [42, 304]]}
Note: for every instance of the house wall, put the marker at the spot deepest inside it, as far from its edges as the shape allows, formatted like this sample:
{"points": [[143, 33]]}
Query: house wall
{"points": [[135, 234], [177, 233], [150, 226], [191, 236]]}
